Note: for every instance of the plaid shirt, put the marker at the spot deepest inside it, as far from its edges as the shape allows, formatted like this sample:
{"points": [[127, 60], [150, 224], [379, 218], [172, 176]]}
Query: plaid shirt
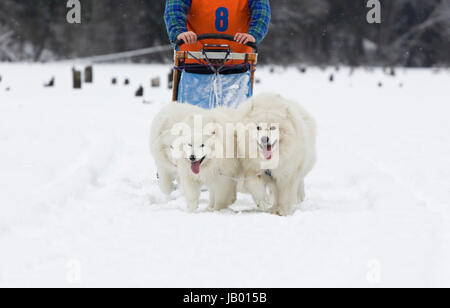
{"points": [[177, 11]]}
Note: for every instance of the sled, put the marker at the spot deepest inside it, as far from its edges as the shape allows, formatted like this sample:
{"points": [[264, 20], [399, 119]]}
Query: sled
{"points": [[214, 76]]}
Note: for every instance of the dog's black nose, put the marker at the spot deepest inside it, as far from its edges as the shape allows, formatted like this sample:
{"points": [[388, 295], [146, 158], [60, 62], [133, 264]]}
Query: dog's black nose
{"points": [[193, 158], [265, 140]]}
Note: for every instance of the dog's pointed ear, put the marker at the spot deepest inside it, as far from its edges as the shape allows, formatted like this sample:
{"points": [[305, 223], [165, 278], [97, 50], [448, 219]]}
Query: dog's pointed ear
{"points": [[290, 115]]}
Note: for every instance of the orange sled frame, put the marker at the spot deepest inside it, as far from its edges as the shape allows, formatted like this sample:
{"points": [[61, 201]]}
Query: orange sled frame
{"points": [[213, 55]]}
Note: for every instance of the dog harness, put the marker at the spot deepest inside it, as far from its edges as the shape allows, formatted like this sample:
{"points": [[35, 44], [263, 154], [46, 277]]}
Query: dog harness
{"points": [[266, 172]]}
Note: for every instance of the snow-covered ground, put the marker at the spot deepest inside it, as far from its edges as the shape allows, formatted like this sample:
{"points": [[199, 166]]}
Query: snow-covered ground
{"points": [[79, 204]]}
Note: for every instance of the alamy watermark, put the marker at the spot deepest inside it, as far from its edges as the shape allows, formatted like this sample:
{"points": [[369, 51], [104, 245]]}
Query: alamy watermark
{"points": [[74, 13], [373, 275], [374, 14], [73, 274], [198, 138]]}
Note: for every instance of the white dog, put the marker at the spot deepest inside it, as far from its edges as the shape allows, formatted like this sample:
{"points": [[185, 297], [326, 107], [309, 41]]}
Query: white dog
{"points": [[206, 162], [162, 140], [284, 140]]}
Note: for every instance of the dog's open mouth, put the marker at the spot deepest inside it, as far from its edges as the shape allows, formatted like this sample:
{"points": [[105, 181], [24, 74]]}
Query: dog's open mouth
{"points": [[195, 166], [267, 150]]}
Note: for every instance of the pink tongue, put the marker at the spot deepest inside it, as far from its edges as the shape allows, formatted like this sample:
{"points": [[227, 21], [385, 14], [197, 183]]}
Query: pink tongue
{"points": [[195, 167], [267, 152]]}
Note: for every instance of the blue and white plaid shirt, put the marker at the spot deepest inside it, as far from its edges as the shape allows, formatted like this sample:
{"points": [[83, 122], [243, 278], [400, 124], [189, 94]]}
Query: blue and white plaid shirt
{"points": [[177, 12]]}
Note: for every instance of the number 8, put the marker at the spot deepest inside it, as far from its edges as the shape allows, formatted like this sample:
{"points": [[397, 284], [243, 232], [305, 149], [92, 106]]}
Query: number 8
{"points": [[222, 19]]}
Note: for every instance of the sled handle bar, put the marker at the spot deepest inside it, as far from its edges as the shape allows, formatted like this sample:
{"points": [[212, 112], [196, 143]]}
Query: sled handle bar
{"points": [[216, 36]]}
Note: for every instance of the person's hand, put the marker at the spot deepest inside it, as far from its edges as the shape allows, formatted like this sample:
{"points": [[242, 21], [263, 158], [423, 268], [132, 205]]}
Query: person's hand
{"points": [[244, 38], [188, 37]]}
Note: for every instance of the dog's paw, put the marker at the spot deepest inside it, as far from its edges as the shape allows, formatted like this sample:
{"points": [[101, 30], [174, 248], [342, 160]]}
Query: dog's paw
{"points": [[264, 205], [282, 212], [221, 206], [167, 189], [192, 207], [301, 197]]}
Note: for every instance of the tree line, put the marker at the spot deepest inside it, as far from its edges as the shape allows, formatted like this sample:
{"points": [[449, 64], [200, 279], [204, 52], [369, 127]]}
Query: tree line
{"points": [[413, 33]]}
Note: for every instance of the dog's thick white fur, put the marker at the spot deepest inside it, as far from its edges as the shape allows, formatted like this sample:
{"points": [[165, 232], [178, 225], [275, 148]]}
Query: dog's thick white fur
{"points": [[286, 143], [206, 162], [162, 139]]}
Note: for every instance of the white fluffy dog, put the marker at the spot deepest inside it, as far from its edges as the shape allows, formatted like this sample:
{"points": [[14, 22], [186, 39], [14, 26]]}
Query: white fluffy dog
{"points": [[276, 150], [284, 140], [206, 162], [162, 140]]}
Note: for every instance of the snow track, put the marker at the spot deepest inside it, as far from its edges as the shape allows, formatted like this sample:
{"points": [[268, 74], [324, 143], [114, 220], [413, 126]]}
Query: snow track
{"points": [[80, 206]]}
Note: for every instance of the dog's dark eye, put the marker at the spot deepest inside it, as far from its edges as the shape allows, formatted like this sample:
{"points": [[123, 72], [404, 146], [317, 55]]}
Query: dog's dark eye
{"points": [[202, 146], [190, 145], [259, 128], [273, 128]]}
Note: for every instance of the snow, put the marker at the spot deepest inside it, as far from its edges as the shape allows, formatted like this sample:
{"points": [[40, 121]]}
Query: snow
{"points": [[80, 207]]}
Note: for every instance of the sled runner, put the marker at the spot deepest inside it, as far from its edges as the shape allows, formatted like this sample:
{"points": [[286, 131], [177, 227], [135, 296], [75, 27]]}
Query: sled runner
{"points": [[214, 76]]}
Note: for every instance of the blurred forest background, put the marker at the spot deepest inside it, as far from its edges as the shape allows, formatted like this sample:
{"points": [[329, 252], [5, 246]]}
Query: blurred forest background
{"points": [[413, 33]]}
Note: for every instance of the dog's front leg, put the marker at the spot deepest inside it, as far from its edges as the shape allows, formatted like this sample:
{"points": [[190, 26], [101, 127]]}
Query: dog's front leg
{"points": [[301, 191], [257, 188], [212, 199], [165, 181], [225, 193], [234, 193], [191, 190], [287, 196]]}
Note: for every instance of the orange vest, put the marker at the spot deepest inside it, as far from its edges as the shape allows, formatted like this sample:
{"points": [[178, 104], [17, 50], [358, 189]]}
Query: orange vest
{"points": [[219, 16]]}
